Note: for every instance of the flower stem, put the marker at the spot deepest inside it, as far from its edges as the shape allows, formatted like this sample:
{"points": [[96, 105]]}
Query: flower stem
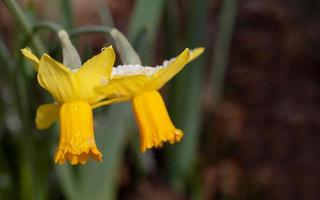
{"points": [[67, 17], [24, 24], [90, 30], [47, 25]]}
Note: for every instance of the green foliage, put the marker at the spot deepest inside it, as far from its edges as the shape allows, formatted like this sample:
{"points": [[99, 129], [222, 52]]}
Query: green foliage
{"points": [[66, 11], [186, 106], [26, 167], [222, 45], [144, 26]]}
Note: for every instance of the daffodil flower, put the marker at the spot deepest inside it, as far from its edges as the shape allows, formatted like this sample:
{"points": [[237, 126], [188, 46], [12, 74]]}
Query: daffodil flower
{"points": [[74, 95], [140, 84]]}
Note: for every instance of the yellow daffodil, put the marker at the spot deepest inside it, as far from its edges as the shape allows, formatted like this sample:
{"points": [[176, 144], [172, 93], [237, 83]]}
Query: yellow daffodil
{"points": [[140, 84], [74, 95]]}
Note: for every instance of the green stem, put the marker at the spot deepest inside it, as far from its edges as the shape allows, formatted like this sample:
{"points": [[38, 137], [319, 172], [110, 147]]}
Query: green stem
{"points": [[24, 24], [90, 30], [66, 10], [47, 25], [53, 26], [104, 13], [186, 106]]}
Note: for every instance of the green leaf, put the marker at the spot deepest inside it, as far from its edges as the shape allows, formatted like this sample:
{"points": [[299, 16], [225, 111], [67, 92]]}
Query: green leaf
{"points": [[145, 20], [66, 13], [186, 102], [221, 49], [100, 180], [68, 183], [104, 13], [24, 24]]}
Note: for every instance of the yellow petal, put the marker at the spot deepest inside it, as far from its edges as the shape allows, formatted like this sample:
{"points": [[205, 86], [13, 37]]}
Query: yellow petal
{"points": [[168, 72], [77, 141], [34, 59], [46, 115], [154, 123], [195, 53], [58, 80], [124, 86], [95, 72]]}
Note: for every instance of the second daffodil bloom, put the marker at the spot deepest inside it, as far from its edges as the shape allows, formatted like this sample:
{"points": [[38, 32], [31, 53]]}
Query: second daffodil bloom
{"points": [[74, 95], [140, 84]]}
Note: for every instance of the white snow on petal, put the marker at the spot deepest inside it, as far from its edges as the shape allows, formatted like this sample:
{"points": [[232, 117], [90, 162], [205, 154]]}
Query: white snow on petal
{"points": [[130, 70]]}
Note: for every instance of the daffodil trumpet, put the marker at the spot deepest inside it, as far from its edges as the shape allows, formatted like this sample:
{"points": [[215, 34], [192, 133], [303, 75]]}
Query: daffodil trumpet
{"points": [[74, 95], [140, 84]]}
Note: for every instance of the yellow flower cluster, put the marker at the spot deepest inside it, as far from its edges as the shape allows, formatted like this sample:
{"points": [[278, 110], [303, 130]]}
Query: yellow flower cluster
{"points": [[97, 83]]}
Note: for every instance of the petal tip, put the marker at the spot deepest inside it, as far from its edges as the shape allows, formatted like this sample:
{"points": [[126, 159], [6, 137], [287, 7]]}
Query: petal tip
{"points": [[195, 53], [171, 138], [77, 158]]}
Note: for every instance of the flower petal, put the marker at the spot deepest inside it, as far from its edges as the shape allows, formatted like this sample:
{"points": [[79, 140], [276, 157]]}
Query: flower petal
{"points": [[58, 80], [77, 142], [94, 73], [195, 53], [124, 86], [168, 72], [154, 121], [28, 54], [46, 115]]}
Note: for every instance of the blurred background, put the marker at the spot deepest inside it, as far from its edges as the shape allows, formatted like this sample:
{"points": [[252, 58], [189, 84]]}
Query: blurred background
{"points": [[248, 105]]}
